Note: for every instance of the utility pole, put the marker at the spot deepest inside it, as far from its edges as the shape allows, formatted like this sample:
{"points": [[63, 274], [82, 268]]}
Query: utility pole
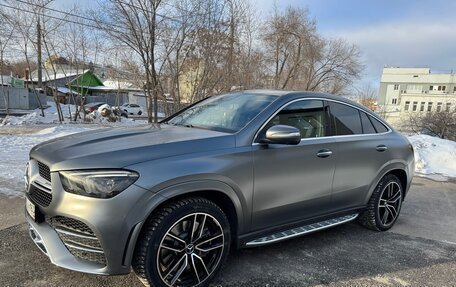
{"points": [[231, 48], [38, 43]]}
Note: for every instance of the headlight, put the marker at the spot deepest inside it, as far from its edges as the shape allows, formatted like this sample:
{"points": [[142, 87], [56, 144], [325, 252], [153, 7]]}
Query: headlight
{"points": [[100, 184]]}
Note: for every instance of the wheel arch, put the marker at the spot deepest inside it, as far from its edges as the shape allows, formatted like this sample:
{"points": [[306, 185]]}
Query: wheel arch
{"points": [[398, 169], [218, 192]]}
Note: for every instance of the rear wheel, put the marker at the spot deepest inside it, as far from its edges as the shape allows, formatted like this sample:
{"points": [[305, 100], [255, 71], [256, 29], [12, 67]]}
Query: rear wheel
{"points": [[183, 244], [384, 205]]}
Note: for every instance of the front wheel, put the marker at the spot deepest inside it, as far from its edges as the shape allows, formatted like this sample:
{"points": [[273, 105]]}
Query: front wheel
{"points": [[384, 205], [184, 243]]}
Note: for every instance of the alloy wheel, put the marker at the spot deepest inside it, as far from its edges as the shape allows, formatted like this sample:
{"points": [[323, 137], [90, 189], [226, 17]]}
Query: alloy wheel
{"points": [[390, 203], [191, 250]]}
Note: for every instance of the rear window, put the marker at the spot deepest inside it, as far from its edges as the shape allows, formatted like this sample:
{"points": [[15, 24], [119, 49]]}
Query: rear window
{"points": [[368, 128], [347, 120], [379, 127]]}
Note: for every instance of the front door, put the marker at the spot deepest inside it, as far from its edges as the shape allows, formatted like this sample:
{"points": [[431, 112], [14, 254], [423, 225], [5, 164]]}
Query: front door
{"points": [[293, 182]]}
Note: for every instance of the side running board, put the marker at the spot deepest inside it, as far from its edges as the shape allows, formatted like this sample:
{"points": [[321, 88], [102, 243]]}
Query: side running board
{"points": [[298, 231]]}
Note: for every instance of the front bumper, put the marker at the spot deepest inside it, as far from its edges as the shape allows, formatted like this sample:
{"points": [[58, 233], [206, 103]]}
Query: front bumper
{"points": [[49, 242], [113, 224]]}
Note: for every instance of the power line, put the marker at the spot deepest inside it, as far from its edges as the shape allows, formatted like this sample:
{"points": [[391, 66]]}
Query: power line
{"points": [[60, 19], [58, 11]]}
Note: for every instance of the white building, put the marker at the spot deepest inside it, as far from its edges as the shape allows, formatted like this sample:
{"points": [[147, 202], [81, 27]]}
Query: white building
{"points": [[414, 90]]}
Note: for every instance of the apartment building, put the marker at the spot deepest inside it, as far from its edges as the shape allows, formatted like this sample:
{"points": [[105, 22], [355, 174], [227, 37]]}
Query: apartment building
{"points": [[414, 90]]}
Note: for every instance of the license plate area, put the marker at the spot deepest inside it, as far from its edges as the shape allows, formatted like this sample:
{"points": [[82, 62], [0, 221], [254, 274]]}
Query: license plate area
{"points": [[33, 211]]}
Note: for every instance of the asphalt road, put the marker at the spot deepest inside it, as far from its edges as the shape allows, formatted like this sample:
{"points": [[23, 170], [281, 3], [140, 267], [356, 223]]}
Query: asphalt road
{"points": [[420, 250]]}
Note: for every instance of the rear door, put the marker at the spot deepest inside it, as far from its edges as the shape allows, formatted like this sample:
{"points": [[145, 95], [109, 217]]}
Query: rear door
{"points": [[361, 152], [293, 182]]}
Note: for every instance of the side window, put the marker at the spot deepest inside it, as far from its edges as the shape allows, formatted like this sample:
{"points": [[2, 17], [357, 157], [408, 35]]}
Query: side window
{"points": [[309, 116], [347, 119], [368, 128], [379, 127]]}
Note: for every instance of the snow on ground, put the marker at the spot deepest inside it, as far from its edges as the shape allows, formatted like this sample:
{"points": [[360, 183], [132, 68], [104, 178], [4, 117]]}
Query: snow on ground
{"points": [[434, 157], [19, 134], [51, 116], [14, 155]]}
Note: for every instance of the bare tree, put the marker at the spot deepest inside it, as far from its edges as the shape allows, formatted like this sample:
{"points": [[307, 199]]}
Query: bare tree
{"points": [[440, 123], [135, 23], [367, 96], [26, 24], [301, 59], [6, 35]]}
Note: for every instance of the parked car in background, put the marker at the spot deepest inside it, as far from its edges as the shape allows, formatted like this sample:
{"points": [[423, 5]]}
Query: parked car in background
{"points": [[90, 107], [236, 170], [132, 109]]}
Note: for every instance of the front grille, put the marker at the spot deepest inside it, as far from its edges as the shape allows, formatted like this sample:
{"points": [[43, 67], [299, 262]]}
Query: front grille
{"points": [[79, 239], [44, 171], [87, 255], [70, 223], [39, 196]]}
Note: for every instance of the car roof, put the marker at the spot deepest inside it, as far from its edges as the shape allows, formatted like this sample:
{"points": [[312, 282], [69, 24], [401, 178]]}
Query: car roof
{"points": [[305, 94]]}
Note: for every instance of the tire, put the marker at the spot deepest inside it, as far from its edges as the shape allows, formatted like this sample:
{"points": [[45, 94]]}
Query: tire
{"points": [[384, 205], [168, 254]]}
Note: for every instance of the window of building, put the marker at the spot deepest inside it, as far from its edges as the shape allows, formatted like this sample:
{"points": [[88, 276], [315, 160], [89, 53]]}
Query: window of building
{"points": [[407, 105], [431, 88], [439, 107], [347, 119], [368, 127], [441, 88], [429, 107], [396, 87], [422, 106], [309, 116], [394, 101], [415, 105], [454, 89], [448, 107], [418, 89]]}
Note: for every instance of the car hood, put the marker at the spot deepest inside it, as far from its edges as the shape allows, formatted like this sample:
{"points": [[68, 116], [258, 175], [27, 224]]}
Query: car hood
{"points": [[120, 147]]}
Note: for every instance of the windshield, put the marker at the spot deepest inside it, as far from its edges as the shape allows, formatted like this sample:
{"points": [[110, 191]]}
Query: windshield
{"points": [[226, 113]]}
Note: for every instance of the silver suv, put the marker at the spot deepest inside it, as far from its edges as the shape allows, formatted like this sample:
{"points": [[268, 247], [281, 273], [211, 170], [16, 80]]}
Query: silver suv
{"points": [[236, 170]]}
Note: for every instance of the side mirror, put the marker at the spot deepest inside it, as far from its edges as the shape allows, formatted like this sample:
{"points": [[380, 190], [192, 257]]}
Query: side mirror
{"points": [[282, 134]]}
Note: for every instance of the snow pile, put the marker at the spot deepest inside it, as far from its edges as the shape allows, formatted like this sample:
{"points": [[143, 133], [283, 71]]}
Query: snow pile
{"points": [[434, 157], [51, 116], [14, 155]]}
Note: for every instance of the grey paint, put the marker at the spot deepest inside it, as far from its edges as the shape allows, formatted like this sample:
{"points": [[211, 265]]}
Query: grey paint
{"points": [[268, 185]]}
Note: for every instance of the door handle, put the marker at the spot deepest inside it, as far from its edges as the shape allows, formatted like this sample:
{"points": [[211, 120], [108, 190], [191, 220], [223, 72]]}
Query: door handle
{"points": [[381, 148], [324, 153]]}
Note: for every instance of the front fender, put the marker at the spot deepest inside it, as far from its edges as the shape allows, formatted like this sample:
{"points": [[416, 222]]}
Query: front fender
{"points": [[154, 200]]}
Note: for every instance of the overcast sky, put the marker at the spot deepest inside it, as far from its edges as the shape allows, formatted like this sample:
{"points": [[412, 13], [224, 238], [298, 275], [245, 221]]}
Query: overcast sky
{"points": [[406, 33]]}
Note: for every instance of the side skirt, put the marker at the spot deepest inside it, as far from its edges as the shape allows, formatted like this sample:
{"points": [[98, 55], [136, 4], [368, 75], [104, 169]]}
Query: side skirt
{"points": [[300, 230]]}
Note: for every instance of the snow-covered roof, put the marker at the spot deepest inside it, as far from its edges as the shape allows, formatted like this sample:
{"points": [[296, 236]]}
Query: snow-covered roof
{"points": [[96, 88], [120, 85], [65, 90], [48, 75]]}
